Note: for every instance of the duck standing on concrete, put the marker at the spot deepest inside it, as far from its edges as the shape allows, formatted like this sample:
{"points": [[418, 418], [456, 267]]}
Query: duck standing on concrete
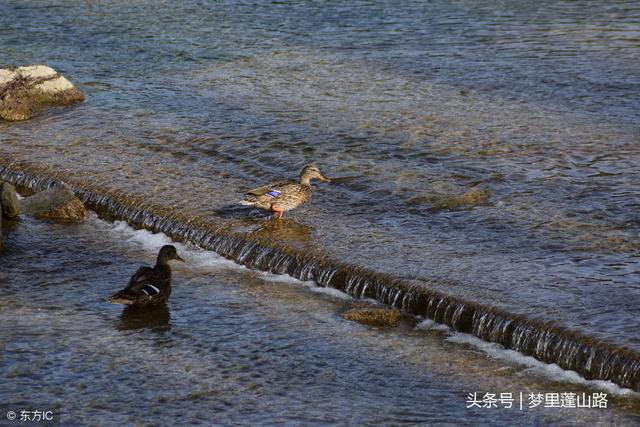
{"points": [[149, 286], [283, 196]]}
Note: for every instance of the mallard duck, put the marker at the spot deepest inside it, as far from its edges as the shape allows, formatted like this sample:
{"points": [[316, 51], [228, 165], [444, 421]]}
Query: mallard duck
{"points": [[283, 196], [149, 286]]}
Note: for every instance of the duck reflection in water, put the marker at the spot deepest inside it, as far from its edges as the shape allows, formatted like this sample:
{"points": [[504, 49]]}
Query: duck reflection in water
{"points": [[284, 230], [155, 317]]}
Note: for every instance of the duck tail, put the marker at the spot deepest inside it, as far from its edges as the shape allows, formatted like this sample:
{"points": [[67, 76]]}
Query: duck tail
{"points": [[246, 203], [120, 298]]}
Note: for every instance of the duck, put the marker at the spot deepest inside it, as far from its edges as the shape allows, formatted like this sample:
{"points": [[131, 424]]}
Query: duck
{"points": [[149, 286], [283, 196]]}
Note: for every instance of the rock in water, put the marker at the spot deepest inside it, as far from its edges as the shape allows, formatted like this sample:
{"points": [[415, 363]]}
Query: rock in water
{"points": [[473, 197], [374, 316], [24, 89], [9, 204], [56, 203]]}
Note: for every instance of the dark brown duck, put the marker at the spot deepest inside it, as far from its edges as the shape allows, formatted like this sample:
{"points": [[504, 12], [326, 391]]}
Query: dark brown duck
{"points": [[149, 286]]}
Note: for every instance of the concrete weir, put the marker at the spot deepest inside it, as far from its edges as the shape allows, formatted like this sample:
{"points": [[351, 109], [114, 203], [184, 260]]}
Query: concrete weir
{"points": [[592, 358]]}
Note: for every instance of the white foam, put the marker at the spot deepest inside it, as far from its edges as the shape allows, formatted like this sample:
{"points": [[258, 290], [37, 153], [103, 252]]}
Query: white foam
{"points": [[285, 278], [203, 259], [428, 324], [536, 367], [279, 278], [333, 292], [145, 238], [195, 257]]}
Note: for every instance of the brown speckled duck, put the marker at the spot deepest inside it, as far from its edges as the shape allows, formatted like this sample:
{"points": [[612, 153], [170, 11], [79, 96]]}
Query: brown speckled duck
{"points": [[149, 286], [280, 197]]}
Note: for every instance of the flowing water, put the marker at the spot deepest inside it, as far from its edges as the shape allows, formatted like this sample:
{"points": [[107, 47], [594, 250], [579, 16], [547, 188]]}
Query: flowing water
{"points": [[487, 150], [236, 346]]}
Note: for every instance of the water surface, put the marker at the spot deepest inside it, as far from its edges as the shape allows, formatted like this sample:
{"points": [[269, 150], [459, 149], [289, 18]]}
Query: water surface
{"points": [[189, 104], [236, 347]]}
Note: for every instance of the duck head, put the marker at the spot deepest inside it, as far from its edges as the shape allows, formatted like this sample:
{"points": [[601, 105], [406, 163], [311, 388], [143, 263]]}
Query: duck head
{"points": [[310, 172], [168, 253]]}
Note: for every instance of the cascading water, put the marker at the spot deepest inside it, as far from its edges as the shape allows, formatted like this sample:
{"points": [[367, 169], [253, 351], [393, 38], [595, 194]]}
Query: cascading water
{"points": [[594, 359]]}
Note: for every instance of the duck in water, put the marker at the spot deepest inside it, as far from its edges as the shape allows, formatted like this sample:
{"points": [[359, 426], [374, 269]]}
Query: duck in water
{"points": [[149, 286], [283, 196]]}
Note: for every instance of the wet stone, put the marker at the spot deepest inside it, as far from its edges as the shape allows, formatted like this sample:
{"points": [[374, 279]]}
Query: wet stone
{"points": [[56, 203], [24, 90], [9, 204], [373, 316]]}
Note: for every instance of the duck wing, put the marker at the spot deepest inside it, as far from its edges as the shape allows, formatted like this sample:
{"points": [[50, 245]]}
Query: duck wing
{"points": [[274, 189], [141, 277], [143, 282]]}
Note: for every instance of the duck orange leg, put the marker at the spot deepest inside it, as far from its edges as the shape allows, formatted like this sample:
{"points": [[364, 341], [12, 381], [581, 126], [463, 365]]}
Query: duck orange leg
{"points": [[279, 212]]}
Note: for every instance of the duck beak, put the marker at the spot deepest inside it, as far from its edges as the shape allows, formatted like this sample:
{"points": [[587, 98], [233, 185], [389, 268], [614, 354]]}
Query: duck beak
{"points": [[178, 258], [324, 178]]}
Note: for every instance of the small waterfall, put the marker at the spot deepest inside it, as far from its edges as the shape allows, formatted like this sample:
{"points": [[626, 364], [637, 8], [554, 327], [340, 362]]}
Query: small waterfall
{"points": [[594, 359]]}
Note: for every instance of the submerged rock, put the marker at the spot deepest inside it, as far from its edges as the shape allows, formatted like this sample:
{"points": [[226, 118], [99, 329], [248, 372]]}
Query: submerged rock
{"points": [[373, 316], [57, 203], [23, 90], [473, 197], [9, 204]]}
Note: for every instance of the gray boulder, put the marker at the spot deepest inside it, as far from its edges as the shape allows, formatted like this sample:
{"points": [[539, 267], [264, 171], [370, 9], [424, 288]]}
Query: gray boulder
{"points": [[58, 203]]}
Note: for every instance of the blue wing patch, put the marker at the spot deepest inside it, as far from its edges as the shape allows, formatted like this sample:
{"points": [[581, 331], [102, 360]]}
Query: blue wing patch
{"points": [[273, 193], [150, 290]]}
